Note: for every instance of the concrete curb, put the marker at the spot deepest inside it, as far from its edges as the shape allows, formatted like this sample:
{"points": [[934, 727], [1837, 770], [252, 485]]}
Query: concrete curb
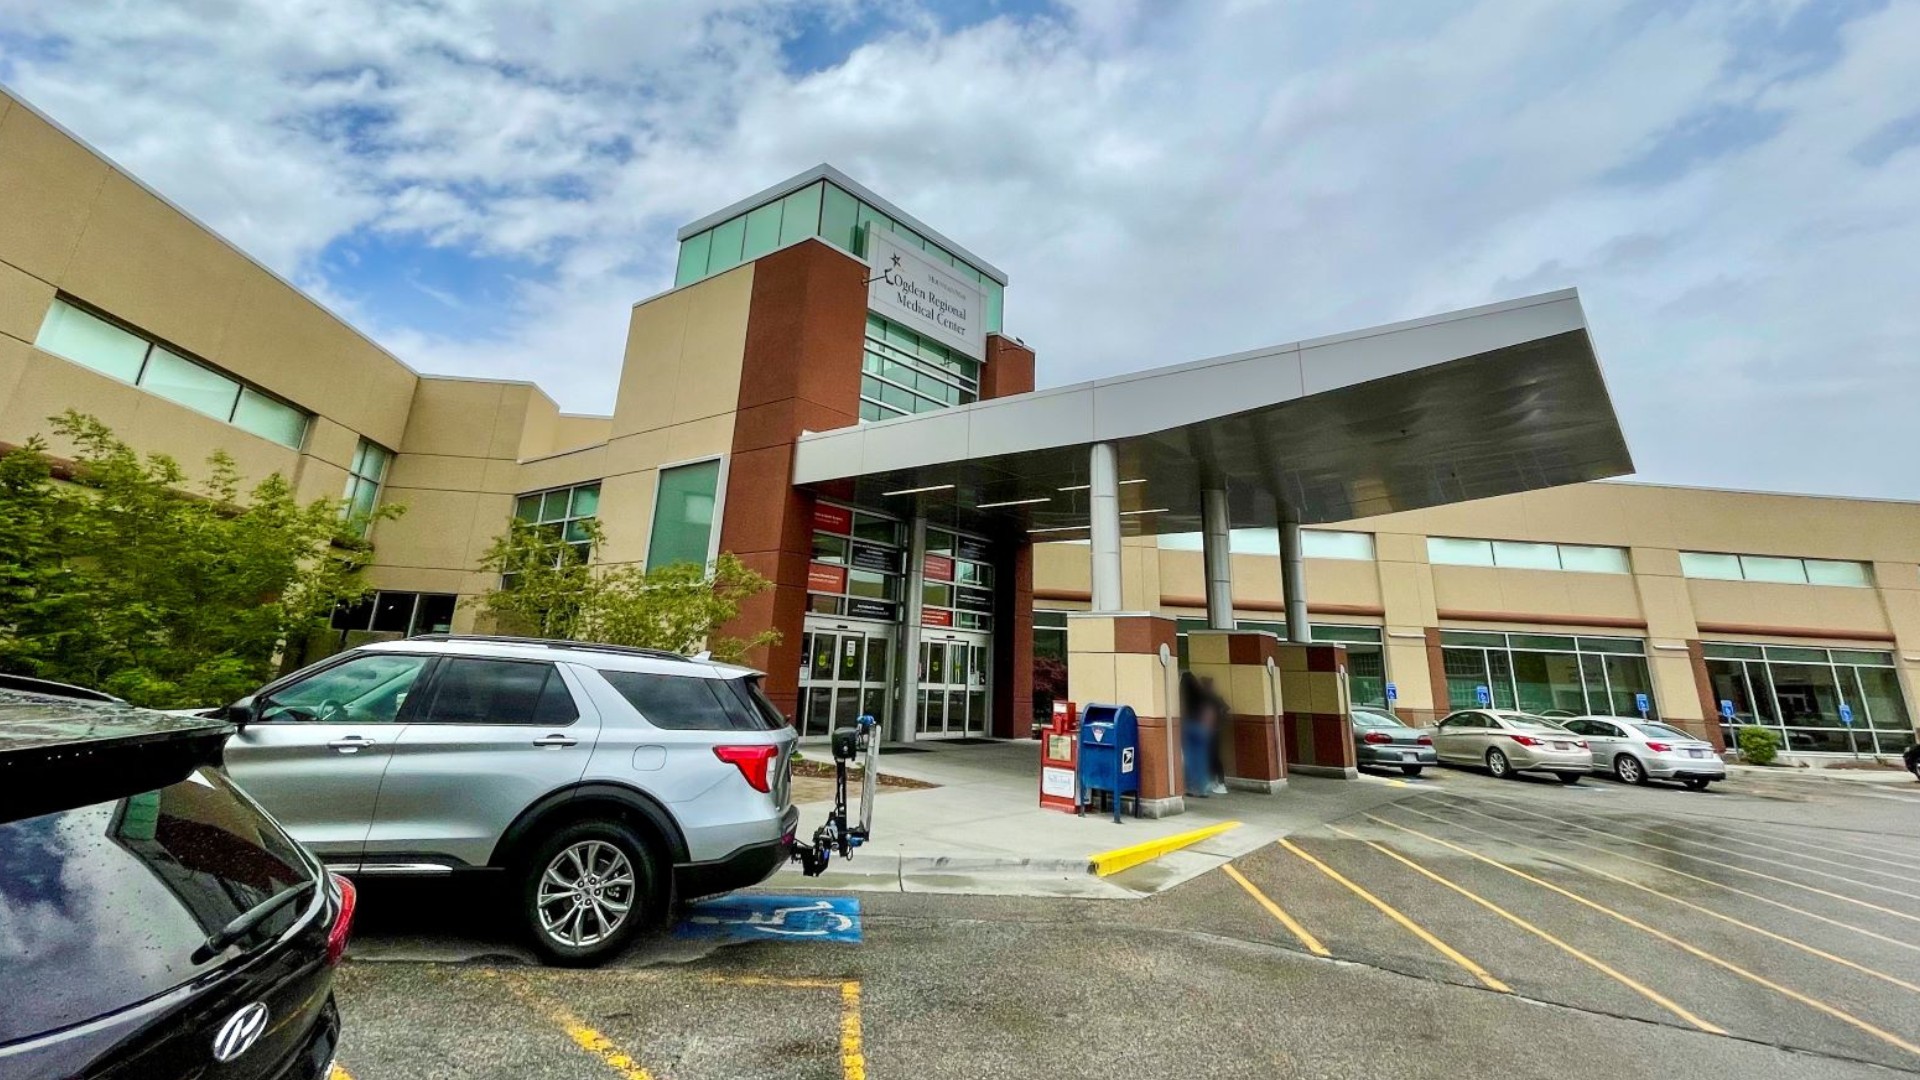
{"points": [[1894, 777]]}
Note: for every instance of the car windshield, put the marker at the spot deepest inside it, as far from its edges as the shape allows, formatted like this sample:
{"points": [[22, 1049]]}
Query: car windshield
{"points": [[102, 906], [1662, 731]]}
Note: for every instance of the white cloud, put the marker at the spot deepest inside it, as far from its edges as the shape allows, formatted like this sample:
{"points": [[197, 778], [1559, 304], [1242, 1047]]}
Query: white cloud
{"points": [[1161, 181]]}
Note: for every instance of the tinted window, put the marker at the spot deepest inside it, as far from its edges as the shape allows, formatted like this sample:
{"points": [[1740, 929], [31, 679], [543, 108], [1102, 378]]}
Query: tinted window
{"points": [[102, 906], [472, 691], [1459, 721], [679, 703], [369, 689]]}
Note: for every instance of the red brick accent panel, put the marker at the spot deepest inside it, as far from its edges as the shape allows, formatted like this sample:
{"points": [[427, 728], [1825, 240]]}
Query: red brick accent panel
{"points": [[1256, 753], [1437, 673], [1319, 739], [1154, 766], [1709, 708], [1008, 370], [801, 371], [1013, 645]]}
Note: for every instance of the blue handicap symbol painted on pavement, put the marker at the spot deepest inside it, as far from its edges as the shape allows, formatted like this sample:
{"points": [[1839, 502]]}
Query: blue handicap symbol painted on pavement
{"points": [[754, 917]]}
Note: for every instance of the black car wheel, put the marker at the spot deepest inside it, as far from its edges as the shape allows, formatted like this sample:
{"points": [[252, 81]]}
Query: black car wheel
{"points": [[1411, 770], [586, 890], [1498, 765], [1567, 777], [1695, 783]]}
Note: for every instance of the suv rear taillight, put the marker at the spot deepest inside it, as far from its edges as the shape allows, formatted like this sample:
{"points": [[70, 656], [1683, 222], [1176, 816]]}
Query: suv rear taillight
{"points": [[342, 920], [752, 761]]}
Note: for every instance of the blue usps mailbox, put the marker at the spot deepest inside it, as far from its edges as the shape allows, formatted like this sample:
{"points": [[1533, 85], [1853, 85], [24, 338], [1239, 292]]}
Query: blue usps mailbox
{"points": [[1109, 754]]}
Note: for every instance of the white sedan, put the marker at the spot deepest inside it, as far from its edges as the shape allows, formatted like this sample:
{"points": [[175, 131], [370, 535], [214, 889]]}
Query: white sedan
{"points": [[1636, 751]]}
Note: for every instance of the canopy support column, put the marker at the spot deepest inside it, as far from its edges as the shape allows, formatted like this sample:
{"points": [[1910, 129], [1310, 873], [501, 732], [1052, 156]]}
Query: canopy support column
{"points": [[1293, 583], [1217, 556], [1103, 469]]}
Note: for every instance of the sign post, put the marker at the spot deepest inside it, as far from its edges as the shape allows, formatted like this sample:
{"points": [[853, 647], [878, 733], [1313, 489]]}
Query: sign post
{"points": [[1393, 695], [1853, 741]]}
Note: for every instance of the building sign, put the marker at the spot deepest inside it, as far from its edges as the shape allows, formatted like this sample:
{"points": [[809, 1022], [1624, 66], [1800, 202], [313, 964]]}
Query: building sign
{"points": [[824, 578], [833, 519], [936, 617], [874, 558], [924, 296], [869, 609], [937, 568], [972, 600], [968, 547]]}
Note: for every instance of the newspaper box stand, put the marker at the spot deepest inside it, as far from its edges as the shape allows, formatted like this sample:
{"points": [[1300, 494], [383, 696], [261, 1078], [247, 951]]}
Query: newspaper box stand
{"points": [[1110, 755], [1060, 759]]}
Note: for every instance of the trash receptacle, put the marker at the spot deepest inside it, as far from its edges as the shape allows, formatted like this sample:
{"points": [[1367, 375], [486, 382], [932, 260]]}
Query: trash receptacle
{"points": [[1109, 755]]}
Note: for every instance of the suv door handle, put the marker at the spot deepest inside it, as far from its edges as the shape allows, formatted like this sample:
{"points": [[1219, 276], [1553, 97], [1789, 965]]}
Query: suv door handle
{"points": [[555, 740], [350, 744]]}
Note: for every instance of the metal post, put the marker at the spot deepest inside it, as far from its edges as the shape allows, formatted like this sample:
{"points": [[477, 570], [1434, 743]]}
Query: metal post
{"points": [[1104, 496], [907, 724], [1293, 583], [1216, 554]]}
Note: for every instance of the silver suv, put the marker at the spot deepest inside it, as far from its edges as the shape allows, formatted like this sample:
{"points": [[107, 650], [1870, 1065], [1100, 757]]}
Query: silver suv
{"points": [[610, 782]]}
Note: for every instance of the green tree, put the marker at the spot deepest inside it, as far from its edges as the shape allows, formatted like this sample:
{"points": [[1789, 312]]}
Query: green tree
{"points": [[551, 587], [137, 580]]}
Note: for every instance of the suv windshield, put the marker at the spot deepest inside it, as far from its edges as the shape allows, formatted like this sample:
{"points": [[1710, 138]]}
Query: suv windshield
{"points": [[102, 906]]}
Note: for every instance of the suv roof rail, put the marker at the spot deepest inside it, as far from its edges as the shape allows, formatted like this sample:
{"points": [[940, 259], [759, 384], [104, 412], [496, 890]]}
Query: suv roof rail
{"points": [[557, 643]]}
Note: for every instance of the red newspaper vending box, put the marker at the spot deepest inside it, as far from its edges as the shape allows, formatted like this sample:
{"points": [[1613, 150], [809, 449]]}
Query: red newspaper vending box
{"points": [[1060, 759]]}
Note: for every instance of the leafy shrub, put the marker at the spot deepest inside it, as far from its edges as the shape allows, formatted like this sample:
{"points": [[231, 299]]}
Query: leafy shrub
{"points": [[1758, 745]]}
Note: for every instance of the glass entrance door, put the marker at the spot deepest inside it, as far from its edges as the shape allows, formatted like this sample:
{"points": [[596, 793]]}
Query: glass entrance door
{"points": [[847, 672], [954, 681]]}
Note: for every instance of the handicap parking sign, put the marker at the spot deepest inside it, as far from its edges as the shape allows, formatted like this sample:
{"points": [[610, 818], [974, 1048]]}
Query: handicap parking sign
{"points": [[753, 917], [1483, 696], [1846, 714], [1726, 708], [1640, 702], [1393, 692]]}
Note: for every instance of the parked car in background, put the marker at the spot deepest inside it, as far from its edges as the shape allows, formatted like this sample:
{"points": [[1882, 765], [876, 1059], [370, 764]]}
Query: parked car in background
{"points": [[1911, 758], [1508, 743], [1381, 740], [154, 921], [608, 782], [1636, 751]]}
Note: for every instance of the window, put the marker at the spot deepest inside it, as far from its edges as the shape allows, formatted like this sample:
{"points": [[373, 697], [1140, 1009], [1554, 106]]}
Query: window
{"points": [[1555, 675], [1774, 568], [368, 689], [1526, 555], [87, 339], [407, 613], [364, 479], [467, 690], [904, 373], [565, 511], [1328, 544], [856, 568], [1798, 692], [683, 512], [679, 703]]}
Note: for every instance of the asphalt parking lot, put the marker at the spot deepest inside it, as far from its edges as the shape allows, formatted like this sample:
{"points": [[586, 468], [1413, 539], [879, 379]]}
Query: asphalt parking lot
{"points": [[1762, 929]]}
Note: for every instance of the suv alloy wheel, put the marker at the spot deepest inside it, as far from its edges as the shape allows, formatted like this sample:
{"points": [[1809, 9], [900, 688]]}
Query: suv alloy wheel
{"points": [[586, 891]]}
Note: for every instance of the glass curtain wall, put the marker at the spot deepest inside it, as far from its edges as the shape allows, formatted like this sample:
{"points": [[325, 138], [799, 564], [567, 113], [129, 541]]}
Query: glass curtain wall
{"points": [[1797, 692], [1548, 674]]}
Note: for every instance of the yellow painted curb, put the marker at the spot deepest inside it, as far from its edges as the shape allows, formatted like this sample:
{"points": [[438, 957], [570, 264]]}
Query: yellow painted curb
{"points": [[1112, 862]]}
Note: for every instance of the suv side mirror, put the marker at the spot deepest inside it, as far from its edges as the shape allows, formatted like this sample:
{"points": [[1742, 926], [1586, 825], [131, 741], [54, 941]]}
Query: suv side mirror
{"points": [[240, 713]]}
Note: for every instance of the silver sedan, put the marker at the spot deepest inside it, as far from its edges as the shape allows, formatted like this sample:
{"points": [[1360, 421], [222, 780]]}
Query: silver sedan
{"points": [[1380, 738], [1636, 751], [1508, 743]]}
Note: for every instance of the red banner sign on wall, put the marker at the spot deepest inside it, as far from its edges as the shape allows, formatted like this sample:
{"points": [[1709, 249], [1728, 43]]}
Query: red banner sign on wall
{"points": [[937, 568], [833, 519], [824, 578], [936, 617]]}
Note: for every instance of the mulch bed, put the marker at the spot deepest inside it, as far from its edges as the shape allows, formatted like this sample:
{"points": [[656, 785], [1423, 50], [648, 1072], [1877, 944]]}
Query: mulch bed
{"points": [[824, 771]]}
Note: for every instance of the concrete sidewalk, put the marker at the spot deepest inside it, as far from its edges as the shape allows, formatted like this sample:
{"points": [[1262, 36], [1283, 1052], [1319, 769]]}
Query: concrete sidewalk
{"points": [[982, 829], [1823, 773]]}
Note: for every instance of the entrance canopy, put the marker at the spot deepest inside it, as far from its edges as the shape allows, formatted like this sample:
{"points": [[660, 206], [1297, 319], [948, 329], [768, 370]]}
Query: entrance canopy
{"points": [[1487, 401]]}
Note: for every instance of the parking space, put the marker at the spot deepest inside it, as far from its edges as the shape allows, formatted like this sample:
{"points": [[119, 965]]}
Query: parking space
{"points": [[1602, 898]]}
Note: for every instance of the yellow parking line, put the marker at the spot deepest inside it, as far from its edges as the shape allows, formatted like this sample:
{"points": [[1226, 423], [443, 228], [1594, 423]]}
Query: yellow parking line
{"points": [[853, 1060], [1760, 980], [1312, 943], [583, 1036], [1710, 862], [1391, 912], [1736, 890], [339, 1073], [1625, 980], [1702, 909]]}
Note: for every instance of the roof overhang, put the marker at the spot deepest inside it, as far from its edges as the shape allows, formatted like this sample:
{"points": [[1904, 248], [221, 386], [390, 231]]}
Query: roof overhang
{"points": [[1487, 401]]}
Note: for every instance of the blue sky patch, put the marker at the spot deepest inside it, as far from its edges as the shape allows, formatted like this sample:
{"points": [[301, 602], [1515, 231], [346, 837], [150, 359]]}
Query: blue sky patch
{"points": [[403, 280]]}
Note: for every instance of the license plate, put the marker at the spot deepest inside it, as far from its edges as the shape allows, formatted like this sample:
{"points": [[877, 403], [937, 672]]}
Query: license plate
{"points": [[1696, 753], [1562, 746], [1392, 755]]}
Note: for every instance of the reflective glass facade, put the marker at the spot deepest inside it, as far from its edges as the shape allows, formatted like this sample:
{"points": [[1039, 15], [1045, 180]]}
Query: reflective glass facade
{"points": [[1798, 691], [1548, 674]]}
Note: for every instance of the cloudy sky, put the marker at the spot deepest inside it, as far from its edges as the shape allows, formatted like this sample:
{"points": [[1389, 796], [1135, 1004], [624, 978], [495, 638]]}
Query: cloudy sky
{"points": [[485, 186]]}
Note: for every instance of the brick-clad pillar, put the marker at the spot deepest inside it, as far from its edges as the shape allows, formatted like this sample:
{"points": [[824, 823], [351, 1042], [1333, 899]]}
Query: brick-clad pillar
{"points": [[1236, 663], [1437, 675], [1114, 659], [1313, 702], [1709, 708], [1013, 644], [800, 372], [1008, 370]]}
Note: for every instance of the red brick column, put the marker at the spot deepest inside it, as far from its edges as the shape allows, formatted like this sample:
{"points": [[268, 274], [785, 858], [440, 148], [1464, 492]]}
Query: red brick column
{"points": [[1114, 659], [1235, 663], [1013, 645], [1313, 699], [1008, 370]]}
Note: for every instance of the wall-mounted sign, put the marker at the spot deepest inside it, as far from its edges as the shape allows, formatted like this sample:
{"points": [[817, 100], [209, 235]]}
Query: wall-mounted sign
{"points": [[969, 548], [924, 296], [870, 609], [833, 519], [936, 617], [822, 577], [937, 568], [972, 600], [874, 558]]}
